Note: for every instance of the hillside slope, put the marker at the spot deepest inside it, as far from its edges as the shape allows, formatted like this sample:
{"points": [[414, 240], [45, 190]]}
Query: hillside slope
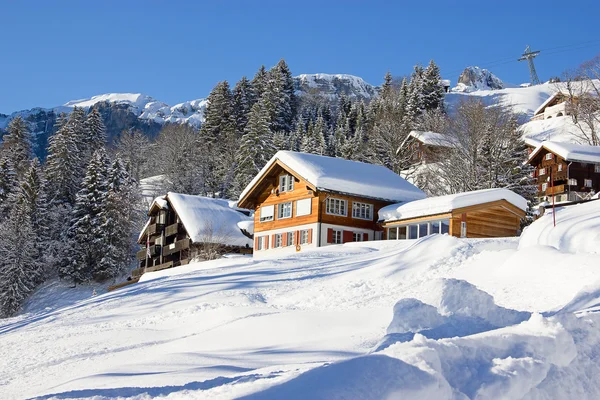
{"points": [[432, 318]]}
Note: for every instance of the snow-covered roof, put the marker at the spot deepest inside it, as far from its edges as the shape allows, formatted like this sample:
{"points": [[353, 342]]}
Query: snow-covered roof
{"points": [[445, 204], [160, 202], [209, 220], [432, 138], [343, 176], [570, 151], [548, 101]]}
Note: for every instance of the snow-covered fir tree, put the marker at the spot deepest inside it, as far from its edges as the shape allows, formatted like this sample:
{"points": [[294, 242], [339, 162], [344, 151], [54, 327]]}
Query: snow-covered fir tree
{"points": [[242, 103], [259, 84], [433, 91], [16, 145], [96, 132], [8, 185]]}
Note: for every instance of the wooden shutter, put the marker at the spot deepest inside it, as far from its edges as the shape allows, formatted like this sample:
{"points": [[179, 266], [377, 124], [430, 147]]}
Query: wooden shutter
{"points": [[256, 243], [329, 235], [273, 241], [284, 239], [266, 243], [310, 236], [366, 237], [297, 238], [347, 236]]}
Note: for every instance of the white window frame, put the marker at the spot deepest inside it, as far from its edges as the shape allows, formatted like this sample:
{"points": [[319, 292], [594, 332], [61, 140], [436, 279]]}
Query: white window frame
{"points": [[548, 156], [597, 168], [572, 182], [278, 241], [544, 186], [542, 171], [587, 183], [337, 237], [304, 236], [362, 211], [267, 219], [333, 203], [286, 183], [560, 166], [358, 237], [290, 238], [281, 209]]}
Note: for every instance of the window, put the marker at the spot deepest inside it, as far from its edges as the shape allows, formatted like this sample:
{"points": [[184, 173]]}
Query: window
{"points": [[337, 237], [463, 229], [162, 217], [572, 182], [278, 239], [304, 236], [335, 206], [362, 210], [560, 166], [260, 243], [435, 227], [290, 238], [402, 232], [549, 156], [587, 183], [597, 168], [284, 210], [542, 171], [266, 213], [544, 187], [445, 227], [286, 183], [413, 231], [392, 233], [303, 207], [357, 237], [423, 229]]}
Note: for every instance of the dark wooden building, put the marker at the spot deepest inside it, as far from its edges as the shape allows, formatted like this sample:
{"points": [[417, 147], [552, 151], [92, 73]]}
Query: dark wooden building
{"points": [[568, 171]]}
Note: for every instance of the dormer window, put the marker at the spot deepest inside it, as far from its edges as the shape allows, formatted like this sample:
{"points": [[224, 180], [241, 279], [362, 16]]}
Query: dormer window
{"points": [[286, 183]]}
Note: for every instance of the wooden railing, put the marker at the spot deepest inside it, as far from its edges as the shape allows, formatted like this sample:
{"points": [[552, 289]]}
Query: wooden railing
{"points": [[141, 255], [154, 229], [555, 189], [177, 246], [172, 230]]}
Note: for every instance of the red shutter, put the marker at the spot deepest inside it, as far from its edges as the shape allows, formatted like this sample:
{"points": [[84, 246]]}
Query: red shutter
{"points": [[284, 239], [366, 237], [273, 241], [347, 236], [297, 238], [310, 236], [329, 235], [266, 241]]}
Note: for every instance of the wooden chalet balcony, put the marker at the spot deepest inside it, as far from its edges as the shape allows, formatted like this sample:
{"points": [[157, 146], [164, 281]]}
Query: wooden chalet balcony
{"points": [[141, 255], [555, 190], [175, 247], [172, 229], [154, 229]]}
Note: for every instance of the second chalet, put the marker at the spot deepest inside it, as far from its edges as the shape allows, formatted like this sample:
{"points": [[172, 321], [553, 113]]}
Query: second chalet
{"points": [[306, 200]]}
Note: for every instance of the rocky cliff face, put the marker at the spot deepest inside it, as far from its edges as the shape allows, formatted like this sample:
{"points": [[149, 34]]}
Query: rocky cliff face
{"points": [[332, 86], [475, 78]]}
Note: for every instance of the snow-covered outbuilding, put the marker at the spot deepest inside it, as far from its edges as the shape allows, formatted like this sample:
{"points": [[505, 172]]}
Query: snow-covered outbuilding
{"points": [[182, 227], [476, 214], [568, 171], [306, 200], [429, 147]]}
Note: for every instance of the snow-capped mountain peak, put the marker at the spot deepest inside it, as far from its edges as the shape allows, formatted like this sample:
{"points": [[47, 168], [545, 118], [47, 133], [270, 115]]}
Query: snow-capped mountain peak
{"points": [[332, 85], [475, 78]]}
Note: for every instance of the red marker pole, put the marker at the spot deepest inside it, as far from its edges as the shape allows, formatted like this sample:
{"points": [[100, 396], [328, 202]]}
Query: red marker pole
{"points": [[552, 188]]}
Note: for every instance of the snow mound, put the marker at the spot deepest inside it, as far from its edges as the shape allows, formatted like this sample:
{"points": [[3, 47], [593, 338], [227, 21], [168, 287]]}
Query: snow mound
{"points": [[577, 229]]}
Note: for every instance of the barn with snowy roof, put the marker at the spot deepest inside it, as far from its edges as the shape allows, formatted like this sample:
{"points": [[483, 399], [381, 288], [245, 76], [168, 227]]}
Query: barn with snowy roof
{"points": [[183, 227], [476, 214], [306, 200]]}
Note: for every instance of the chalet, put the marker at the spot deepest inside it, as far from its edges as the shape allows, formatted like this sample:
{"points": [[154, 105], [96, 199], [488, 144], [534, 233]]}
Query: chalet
{"points": [[556, 105], [569, 171], [182, 227], [306, 200], [477, 214], [428, 147]]}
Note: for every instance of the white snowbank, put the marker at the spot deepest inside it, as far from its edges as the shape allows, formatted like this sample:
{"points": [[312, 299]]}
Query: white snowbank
{"points": [[447, 203], [577, 229], [345, 176]]}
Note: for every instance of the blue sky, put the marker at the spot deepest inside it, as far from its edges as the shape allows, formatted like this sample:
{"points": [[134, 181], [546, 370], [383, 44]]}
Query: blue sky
{"points": [[55, 51]]}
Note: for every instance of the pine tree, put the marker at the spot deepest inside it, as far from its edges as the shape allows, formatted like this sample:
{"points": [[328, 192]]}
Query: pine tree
{"points": [[8, 185], [85, 252], [96, 132], [17, 145], [433, 91], [415, 103], [242, 103], [320, 134], [282, 101], [258, 84], [310, 143], [386, 87]]}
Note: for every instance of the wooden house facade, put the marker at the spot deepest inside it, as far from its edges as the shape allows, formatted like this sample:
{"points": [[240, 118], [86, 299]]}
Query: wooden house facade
{"points": [[568, 171], [477, 214], [181, 228], [305, 201], [428, 147]]}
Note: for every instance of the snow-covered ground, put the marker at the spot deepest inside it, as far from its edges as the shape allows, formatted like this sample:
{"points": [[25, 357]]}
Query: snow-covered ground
{"points": [[434, 318]]}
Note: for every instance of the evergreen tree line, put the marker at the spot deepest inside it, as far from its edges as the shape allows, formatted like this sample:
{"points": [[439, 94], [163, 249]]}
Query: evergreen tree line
{"points": [[71, 217]]}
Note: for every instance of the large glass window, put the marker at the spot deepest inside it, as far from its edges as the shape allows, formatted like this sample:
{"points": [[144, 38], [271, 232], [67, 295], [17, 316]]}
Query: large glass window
{"points": [[278, 239], [435, 227], [413, 231], [362, 210], [402, 232], [337, 237], [335, 206], [445, 227], [357, 237], [392, 233], [304, 236], [285, 210], [290, 238], [286, 183], [423, 230]]}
